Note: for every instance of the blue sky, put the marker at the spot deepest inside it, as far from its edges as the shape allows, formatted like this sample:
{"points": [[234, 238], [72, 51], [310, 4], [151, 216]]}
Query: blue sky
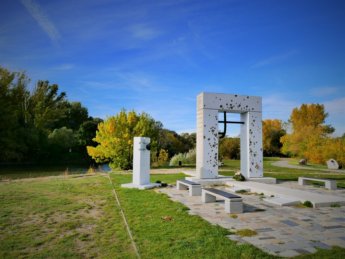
{"points": [[156, 56]]}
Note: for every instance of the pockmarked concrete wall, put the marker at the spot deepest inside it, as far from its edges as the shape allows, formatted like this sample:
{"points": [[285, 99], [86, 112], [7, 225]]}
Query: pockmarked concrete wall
{"points": [[250, 108]]}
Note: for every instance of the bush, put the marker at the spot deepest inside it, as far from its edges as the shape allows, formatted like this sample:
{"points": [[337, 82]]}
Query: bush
{"points": [[308, 204], [239, 177], [185, 158]]}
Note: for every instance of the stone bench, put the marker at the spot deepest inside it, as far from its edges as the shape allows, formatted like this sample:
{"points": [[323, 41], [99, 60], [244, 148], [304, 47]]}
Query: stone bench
{"points": [[329, 184], [233, 203], [194, 188]]}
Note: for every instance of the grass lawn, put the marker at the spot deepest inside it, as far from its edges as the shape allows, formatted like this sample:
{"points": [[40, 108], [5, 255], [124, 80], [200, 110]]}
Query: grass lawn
{"points": [[282, 173], [78, 217]]}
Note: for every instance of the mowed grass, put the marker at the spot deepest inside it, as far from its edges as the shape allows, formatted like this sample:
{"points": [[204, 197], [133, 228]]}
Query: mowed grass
{"points": [[164, 229], [61, 218], [282, 173], [77, 217]]}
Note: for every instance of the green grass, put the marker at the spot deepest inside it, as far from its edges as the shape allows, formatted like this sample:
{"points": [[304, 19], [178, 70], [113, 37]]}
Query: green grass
{"points": [[282, 173], [30, 171], [57, 217], [77, 217], [246, 232]]}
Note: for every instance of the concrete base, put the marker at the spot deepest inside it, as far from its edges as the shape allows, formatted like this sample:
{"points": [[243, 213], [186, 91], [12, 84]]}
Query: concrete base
{"points": [[268, 180], [238, 189], [282, 201], [141, 187], [318, 200], [234, 207], [221, 180]]}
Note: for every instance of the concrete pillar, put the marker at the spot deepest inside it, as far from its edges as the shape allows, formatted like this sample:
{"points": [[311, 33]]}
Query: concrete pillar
{"points": [[141, 161], [141, 165]]}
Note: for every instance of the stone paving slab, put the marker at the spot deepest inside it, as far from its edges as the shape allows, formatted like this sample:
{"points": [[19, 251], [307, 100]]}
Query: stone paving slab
{"points": [[318, 200], [282, 231]]}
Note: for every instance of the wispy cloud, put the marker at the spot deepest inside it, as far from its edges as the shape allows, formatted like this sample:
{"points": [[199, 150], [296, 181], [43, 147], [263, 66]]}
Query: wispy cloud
{"points": [[42, 19], [143, 31], [322, 91], [274, 59], [64, 67], [336, 110], [336, 106], [277, 107]]}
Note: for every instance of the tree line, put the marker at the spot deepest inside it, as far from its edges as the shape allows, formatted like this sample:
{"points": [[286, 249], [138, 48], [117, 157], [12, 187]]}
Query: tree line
{"points": [[305, 135], [41, 125]]}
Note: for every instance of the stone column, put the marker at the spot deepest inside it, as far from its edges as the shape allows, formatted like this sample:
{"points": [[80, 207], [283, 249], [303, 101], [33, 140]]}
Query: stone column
{"points": [[207, 143], [251, 145], [141, 161]]}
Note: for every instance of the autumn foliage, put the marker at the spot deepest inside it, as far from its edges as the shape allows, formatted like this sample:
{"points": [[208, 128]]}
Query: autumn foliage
{"points": [[310, 137], [272, 131], [115, 138]]}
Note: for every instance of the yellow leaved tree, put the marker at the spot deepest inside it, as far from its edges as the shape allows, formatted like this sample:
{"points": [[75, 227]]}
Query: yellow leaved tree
{"points": [[115, 138], [309, 133]]}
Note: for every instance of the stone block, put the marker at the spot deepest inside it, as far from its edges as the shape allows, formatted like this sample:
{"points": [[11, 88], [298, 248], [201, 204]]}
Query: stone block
{"points": [[332, 164]]}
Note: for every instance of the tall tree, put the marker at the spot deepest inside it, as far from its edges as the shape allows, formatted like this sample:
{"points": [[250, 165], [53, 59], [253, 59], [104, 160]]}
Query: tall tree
{"points": [[13, 115], [308, 131], [272, 131], [115, 138], [229, 148], [47, 105]]}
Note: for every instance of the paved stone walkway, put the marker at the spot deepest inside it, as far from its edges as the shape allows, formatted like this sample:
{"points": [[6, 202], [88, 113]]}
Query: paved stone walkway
{"points": [[283, 231]]}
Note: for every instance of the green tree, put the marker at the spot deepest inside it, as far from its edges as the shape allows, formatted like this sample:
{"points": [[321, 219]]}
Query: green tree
{"points": [[47, 106], [75, 115], [229, 148], [163, 157], [63, 138], [115, 138], [272, 131], [87, 131], [14, 127]]}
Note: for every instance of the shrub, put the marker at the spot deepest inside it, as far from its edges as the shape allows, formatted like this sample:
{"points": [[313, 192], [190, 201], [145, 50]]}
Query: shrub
{"points": [[308, 204], [239, 177], [185, 158]]}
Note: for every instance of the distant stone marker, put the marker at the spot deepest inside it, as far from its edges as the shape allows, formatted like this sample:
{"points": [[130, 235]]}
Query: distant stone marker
{"points": [[303, 162], [332, 164]]}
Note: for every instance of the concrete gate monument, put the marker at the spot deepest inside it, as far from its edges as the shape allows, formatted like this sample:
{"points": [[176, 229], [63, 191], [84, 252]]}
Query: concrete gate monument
{"points": [[250, 109]]}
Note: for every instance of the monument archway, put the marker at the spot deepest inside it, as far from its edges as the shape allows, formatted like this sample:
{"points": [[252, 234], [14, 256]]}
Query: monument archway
{"points": [[250, 110]]}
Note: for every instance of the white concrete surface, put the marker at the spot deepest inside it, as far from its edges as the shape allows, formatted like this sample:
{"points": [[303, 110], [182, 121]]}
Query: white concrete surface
{"points": [[318, 200], [282, 201]]}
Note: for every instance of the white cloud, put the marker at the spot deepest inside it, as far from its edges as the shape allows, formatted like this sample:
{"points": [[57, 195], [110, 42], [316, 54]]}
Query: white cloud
{"points": [[336, 107], [322, 91], [274, 59], [143, 32], [65, 67], [42, 19], [277, 107]]}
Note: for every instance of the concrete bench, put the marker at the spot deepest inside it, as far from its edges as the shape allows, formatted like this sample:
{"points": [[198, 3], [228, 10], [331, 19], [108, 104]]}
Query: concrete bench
{"points": [[329, 184], [233, 203], [194, 188]]}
